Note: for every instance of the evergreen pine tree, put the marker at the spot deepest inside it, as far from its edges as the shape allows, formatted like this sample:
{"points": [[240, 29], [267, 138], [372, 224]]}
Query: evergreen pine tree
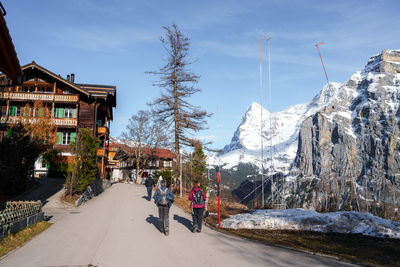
{"points": [[85, 168]]}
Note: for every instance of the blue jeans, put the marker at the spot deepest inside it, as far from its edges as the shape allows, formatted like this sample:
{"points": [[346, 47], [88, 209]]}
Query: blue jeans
{"points": [[149, 189]]}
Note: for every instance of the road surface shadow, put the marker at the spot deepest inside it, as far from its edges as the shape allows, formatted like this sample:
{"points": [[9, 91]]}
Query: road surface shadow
{"points": [[47, 188], [183, 221], [154, 221]]}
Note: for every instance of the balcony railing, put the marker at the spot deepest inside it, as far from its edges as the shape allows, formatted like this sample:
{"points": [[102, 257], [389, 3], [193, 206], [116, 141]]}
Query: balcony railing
{"points": [[102, 152], [39, 97], [102, 130], [57, 121], [65, 122]]}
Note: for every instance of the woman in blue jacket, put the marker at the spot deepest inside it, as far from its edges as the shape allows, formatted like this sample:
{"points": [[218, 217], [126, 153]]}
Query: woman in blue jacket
{"points": [[163, 198]]}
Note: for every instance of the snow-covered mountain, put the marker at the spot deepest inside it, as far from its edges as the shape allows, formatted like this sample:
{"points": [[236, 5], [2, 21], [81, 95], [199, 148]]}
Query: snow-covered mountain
{"points": [[343, 153], [122, 141], [280, 131]]}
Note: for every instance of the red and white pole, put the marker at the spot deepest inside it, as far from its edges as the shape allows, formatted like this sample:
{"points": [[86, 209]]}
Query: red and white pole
{"points": [[218, 192]]}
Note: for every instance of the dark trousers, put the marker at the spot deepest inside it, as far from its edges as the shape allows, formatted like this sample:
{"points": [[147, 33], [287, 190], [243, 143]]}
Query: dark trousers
{"points": [[163, 215], [149, 189], [197, 217]]}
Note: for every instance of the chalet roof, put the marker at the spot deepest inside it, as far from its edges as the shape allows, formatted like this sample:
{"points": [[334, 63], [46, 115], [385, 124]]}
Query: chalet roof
{"points": [[107, 92], [33, 64], [98, 90], [160, 153], [9, 63]]}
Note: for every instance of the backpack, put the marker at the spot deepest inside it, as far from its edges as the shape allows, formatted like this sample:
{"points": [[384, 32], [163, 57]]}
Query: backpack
{"points": [[198, 197], [149, 181], [164, 201]]}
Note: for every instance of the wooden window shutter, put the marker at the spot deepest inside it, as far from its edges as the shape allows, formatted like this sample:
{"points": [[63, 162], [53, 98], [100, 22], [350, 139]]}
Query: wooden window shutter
{"points": [[59, 138], [73, 137], [60, 112]]}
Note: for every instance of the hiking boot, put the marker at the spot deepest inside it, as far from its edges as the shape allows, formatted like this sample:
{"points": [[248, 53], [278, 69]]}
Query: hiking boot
{"points": [[166, 230], [199, 230], [194, 229]]}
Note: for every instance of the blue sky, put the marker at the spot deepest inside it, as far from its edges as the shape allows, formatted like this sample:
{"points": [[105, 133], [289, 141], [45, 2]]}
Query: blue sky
{"points": [[115, 42]]}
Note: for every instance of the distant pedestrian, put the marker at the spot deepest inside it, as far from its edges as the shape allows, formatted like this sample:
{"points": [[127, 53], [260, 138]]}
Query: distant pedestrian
{"points": [[159, 182], [198, 198], [149, 186], [163, 198]]}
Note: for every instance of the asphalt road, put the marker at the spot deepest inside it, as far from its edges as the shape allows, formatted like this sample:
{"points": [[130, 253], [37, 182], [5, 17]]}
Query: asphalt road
{"points": [[120, 228]]}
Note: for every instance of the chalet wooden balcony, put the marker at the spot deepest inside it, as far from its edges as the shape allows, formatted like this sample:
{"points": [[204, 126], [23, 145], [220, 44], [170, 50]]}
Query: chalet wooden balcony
{"points": [[39, 97], [102, 130], [102, 152], [57, 121]]}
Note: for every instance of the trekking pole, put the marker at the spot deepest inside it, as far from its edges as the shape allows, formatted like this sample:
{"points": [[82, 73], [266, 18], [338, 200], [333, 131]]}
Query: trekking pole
{"points": [[218, 193]]}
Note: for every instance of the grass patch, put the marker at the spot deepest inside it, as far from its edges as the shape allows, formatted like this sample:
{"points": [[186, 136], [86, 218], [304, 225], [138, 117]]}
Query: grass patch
{"points": [[11, 242], [355, 248]]}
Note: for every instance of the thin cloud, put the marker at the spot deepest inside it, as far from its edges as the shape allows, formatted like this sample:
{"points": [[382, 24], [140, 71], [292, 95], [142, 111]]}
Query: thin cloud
{"points": [[98, 39]]}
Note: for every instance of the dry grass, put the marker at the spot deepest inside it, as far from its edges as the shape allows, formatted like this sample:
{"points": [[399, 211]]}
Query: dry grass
{"points": [[12, 242], [350, 247], [71, 199]]}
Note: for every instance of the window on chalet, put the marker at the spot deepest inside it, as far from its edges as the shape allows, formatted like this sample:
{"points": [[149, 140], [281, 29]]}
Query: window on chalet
{"points": [[154, 163], [64, 113], [14, 110], [27, 88], [65, 138], [44, 89], [100, 123], [26, 111], [40, 112], [167, 163], [68, 113], [18, 111]]}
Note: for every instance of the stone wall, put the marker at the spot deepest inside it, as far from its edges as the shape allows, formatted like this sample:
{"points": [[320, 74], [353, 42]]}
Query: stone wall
{"points": [[94, 189]]}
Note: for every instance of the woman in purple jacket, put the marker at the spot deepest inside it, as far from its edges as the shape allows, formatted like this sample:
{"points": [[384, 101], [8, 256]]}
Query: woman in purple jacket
{"points": [[198, 198]]}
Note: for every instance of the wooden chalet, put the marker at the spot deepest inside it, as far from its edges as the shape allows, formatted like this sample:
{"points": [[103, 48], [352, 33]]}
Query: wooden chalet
{"points": [[72, 106], [158, 159]]}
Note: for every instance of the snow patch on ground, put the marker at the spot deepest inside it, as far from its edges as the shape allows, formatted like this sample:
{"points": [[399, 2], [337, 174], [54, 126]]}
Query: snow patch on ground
{"points": [[308, 220]]}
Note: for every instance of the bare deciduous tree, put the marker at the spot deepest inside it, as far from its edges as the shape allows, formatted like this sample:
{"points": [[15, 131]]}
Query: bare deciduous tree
{"points": [[146, 135]]}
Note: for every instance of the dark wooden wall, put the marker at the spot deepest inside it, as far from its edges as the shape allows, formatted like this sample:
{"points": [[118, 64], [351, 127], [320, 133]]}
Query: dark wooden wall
{"points": [[86, 115]]}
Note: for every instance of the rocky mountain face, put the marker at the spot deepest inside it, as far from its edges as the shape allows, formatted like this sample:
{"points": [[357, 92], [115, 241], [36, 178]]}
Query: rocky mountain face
{"points": [[348, 152]]}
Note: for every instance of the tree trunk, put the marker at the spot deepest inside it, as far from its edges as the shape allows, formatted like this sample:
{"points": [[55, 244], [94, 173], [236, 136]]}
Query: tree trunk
{"points": [[138, 176]]}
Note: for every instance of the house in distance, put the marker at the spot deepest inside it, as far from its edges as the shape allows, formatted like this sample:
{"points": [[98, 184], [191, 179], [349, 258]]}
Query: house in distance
{"points": [[156, 159]]}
